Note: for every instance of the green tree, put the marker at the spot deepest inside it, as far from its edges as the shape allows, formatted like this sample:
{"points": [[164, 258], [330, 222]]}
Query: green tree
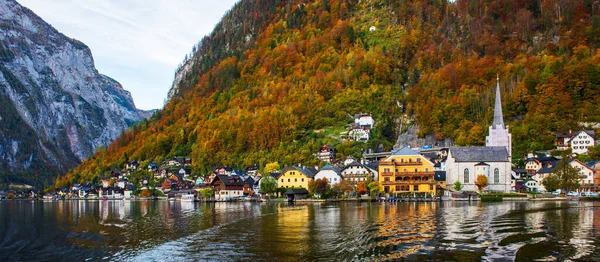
{"points": [[206, 193], [481, 182], [594, 152], [551, 182], [268, 184], [567, 175], [458, 186]]}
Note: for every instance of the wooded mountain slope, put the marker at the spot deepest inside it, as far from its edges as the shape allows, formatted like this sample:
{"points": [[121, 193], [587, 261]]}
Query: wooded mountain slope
{"points": [[275, 78]]}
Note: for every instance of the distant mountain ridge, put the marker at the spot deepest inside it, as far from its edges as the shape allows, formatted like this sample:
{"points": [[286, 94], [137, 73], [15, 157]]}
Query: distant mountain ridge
{"points": [[56, 109]]}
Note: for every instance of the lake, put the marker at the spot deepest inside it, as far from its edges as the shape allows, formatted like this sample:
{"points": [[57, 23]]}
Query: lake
{"points": [[167, 231]]}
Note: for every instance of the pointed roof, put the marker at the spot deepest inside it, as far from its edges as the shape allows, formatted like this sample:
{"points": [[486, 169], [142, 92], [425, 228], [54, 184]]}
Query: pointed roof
{"points": [[498, 120]]}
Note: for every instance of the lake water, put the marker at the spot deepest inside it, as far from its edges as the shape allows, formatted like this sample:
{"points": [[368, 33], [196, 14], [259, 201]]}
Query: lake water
{"points": [[167, 231]]}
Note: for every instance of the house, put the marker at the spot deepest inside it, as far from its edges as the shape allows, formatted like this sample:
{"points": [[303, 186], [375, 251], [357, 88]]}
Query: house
{"points": [[539, 177], [249, 186], [326, 154], [355, 172], [132, 165], [595, 165], [581, 141], [227, 187], [331, 173], [223, 170], [359, 133], [295, 177], [464, 164], [586, 175], [294, 194], [152, 167], [251, 170], [115, 173], [440, 179], [182, 173], [406, 171], [364, 119]]}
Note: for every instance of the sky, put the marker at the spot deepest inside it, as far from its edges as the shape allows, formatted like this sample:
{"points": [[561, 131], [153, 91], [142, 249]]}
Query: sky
{"points": [[139, 43]]}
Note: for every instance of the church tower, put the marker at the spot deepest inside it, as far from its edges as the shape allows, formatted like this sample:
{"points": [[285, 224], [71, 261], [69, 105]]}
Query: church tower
{"points": [[498, 132]]}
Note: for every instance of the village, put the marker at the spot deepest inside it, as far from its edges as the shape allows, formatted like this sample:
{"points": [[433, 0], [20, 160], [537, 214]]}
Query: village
{"points": [[431, 173]]}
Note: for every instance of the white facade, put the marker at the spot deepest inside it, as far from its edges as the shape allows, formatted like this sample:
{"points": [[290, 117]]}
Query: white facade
{"points": [[364, 120], [586, 173], [359, 134], [581, 142], [356, 173], [224, 195], [465, 169], [332, 175]]}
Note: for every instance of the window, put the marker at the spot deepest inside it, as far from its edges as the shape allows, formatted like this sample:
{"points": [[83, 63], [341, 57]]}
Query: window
{"points": [[386, 179], [397, 188], [416, 188], [288, 180], [466, 176], [386, 189], [282, 180], [418, 160], [430, 187], [302, 179], [402, 160], [295, 180], [496, 176], [426, 169], [405, 170], [410, 160], [416, 170]]}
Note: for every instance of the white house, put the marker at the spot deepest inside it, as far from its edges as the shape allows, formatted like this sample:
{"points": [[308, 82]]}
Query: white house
{"points": [[358, 133], [464, 164], [355, 172], [332, 174], [581, 141], [586, 175], [364, 120]]}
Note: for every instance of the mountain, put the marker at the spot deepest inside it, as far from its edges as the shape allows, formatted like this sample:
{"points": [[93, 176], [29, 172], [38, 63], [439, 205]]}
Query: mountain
{"points": [[277, 79], [56, 109]]}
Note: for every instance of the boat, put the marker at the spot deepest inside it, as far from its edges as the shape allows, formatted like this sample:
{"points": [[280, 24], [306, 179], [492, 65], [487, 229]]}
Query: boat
{"points": [[187, 198]]}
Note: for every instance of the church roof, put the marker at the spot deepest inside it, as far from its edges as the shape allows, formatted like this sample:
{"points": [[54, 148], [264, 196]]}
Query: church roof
{"points": [[479, 154], [498, 120]]}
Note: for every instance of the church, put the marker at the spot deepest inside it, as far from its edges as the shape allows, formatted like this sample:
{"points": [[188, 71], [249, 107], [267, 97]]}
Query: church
{"points": [[493, 160]]}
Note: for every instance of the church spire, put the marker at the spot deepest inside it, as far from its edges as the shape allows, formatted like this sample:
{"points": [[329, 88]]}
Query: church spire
{"points": [[498, 120]]}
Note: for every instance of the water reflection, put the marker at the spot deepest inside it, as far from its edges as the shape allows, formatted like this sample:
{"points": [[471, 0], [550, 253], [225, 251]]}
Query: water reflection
{"points": [[161, 230]]}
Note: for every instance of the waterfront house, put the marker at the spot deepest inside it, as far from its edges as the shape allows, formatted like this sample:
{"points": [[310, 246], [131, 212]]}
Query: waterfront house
{"points": [[295, 177], [293, 194], [406, 171], [539, 177], [227, 187], [249, 186], [331, 173], [586, 176], [595, 165], [355, 172], [464, 164]]}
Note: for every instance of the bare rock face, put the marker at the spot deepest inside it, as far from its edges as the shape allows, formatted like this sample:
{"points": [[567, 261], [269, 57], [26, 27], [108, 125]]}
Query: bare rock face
{"points": [[55, 108]]}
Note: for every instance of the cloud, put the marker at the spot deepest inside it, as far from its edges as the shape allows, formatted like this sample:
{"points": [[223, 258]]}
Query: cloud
{"points": [[139, 42]]}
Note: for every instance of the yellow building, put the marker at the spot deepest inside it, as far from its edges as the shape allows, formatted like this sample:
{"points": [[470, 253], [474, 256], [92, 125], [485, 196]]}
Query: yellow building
{"points": [[406, 171], [296, 177]]}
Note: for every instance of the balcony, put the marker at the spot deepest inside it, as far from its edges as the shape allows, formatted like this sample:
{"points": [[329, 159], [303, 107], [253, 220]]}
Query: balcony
{"points": [[393, 163], [388, 183], [408, 174]]}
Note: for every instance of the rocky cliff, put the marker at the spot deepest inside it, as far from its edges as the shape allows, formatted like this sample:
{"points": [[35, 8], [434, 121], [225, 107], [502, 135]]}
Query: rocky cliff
{"points": [[56, 109]]}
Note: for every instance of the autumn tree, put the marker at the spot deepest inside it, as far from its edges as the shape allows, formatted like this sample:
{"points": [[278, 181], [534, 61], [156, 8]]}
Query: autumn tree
{"points": [[145, 193], [481, 182], [341, 188], [567, 175], [272, 167], [361, 188]]}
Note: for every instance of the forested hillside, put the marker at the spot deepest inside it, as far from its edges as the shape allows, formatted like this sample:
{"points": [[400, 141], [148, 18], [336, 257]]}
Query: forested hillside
{"points": [[277, 78]]}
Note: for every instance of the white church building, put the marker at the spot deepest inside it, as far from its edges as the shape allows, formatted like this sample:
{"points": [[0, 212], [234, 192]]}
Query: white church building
{"points": [[464, 164]]}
